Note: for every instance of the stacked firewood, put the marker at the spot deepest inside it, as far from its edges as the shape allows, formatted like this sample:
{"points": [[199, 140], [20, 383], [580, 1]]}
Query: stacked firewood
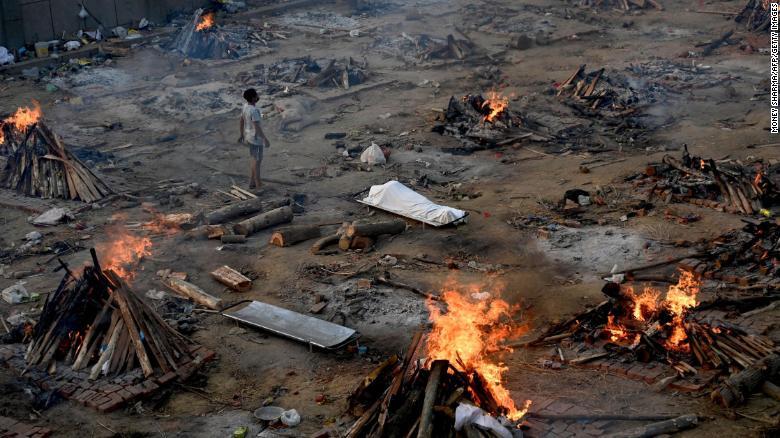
{"points": [[40, 165], [709, 344], [95, 320], [210, 42], [755, 15], [354, 236], [749, 256], [598, 91], [725, 184], [452, 49], [403, 397]]}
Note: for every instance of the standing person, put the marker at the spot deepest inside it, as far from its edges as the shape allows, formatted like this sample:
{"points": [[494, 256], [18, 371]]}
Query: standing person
{"points": [[253, 136]]}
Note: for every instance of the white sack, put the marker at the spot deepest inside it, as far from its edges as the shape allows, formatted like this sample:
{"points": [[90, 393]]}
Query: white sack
{"points": [[396, 198], [373, 155], [469, 414]]}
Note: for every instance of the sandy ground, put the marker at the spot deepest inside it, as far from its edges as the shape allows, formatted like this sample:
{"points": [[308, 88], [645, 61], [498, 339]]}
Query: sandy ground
{"points": [[155, 94]]}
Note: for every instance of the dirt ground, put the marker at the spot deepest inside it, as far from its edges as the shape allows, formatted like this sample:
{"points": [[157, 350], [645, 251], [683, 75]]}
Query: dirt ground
{"points": [[182, 120]]}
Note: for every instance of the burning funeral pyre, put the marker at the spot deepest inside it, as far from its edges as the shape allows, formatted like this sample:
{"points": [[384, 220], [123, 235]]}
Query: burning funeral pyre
{"points": [[483, 122], [39, 164], [202, 38], [723, 184], [97, 321], [445, 374], [650, 325], [755, 16]]}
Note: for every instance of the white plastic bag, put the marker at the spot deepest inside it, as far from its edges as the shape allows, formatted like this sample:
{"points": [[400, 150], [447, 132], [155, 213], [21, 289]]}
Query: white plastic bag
{"points": [[291, 418], [5, 57], [373, 155], [15, 294]]}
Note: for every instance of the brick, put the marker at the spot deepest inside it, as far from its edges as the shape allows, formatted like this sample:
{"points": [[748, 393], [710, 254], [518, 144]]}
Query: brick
{"points": [[94, 402], [114, 402], [559, 407], [125, 394], [636, 372], [206, 355], [85, 395], [150, 387], [167, 377], [109, 387], [67, 390], [135, 390], [651, 374], [539, 405]]}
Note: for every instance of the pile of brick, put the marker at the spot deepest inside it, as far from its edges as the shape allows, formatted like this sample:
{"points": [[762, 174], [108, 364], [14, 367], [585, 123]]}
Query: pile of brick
{"points": [[11, 428]]}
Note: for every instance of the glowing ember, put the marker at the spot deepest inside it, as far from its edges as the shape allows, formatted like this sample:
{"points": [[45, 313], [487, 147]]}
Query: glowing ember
{"points": [[2, 134], [206, 21], [756, 181], [679, 298], [123, 253], [469, 330], [702, 164], [25, 117], [496, 103]]}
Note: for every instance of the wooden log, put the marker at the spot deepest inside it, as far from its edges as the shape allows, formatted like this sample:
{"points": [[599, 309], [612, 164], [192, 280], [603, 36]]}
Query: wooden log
{"points": [[716, 43], [362, 243], [127, 317], [438, 370], [324, 242], [291, 235], [232, 278], [89, 336], [254, 224], [232, 238], [193, 292], [376, 229], [738, 387], [660, 428], [345, 243], [771, 390], [109, 351], [243, 208]]}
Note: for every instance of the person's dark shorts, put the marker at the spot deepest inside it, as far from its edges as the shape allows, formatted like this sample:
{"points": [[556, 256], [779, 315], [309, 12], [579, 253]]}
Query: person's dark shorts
{"points": [[256, 150]]}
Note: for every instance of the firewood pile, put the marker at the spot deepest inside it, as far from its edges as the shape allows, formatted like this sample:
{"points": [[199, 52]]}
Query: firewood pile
{"points": [[748, 257], [423, 47], [40, 165], [624, 5], [481, 122], [755, 16], [726, 185], [97, 321], [613, 94], [202, 38], [649, 326], [404, 397]]}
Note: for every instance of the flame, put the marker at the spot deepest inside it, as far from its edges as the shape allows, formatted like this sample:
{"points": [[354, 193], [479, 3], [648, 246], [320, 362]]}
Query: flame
{"points": [[618, 332], [701, 164], [496, 103], [645, 304], [2, 134], [124, 252], [25, 117], [756, 181], [206, 21], [679, 298], [469, 330]]}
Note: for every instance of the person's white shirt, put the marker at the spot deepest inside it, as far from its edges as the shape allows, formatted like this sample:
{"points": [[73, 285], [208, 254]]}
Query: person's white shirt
{"points": [[251, 114]]}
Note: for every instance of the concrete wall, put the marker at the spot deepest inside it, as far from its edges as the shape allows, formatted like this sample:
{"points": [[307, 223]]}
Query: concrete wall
{"points": [[28, 21]]}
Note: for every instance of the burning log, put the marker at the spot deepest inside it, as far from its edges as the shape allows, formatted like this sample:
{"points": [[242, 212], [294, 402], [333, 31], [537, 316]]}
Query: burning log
{"points": [[232, 278], [262, 221], [737, 388], [438, 370], [291, 235], [40, 165], [243, 208], [193, 292], [112, 343]]}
